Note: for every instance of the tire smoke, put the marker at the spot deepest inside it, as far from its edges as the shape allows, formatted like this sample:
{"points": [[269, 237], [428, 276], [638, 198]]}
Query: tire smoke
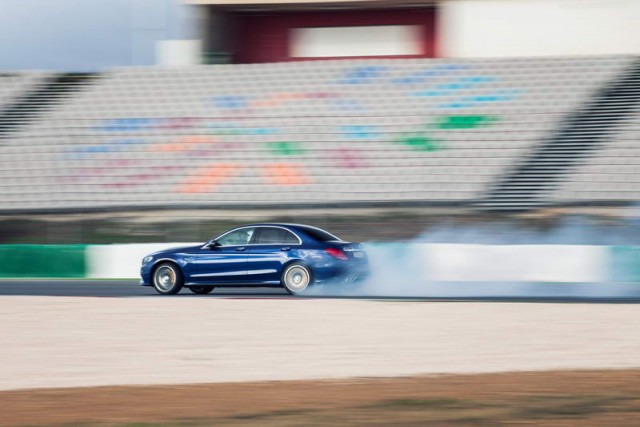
{"points": [[503, 261]]}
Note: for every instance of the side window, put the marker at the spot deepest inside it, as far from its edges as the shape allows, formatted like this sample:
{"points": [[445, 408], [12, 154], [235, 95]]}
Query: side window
{"points": [[290, 238], [238, 237], [275, 236], [270, 235]]}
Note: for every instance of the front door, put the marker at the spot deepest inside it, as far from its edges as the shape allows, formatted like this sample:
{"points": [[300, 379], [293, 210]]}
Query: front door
{"points": [[225, 263]]}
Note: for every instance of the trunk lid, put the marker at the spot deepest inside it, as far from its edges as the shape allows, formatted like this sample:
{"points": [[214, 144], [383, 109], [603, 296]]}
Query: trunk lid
{"points": [[354, 251]]}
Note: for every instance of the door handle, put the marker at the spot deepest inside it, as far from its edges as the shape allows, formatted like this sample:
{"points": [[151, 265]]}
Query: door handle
{"points": [[240, 249], [285, 248]]}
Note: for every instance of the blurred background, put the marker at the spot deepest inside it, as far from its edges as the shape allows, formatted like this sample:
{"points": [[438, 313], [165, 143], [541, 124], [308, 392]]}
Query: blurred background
{"points": [[484, 151], [164, 120]]}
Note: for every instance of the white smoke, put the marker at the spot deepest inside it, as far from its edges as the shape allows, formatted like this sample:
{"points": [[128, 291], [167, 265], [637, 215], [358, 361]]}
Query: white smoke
{"points": [[401, 270]]}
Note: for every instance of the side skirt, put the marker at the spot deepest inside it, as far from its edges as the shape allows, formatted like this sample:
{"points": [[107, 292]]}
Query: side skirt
{"points": [[231, 285]]}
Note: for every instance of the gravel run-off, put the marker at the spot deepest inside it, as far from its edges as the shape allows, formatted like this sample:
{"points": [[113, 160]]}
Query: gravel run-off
{"points": [[80, 341]]}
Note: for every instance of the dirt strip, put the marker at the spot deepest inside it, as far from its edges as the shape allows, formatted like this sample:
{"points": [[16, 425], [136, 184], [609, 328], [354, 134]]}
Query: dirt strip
{"points": [[564, 398]]}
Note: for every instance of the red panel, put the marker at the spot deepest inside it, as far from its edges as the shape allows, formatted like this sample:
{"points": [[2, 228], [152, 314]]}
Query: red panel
{"points": [[265, 37]]}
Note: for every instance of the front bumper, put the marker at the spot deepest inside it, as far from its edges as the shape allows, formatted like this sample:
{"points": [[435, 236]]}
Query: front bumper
{"points": [[145, 275]]}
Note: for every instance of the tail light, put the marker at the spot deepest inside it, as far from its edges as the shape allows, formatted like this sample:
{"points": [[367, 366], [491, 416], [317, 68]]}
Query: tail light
{"points": [[336, 253]]}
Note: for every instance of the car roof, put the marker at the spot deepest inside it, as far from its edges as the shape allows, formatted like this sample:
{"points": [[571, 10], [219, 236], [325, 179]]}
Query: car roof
{"points": [[289, 226], [278, 224]]}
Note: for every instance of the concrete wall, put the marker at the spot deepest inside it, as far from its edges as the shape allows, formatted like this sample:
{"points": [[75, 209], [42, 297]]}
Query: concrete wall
{"points": [[263, 37], [421, 262], [88, 35], [496, 28]]}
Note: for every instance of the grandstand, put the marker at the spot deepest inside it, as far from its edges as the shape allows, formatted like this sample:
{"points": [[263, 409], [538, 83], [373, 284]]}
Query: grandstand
{"points": [[13, 84], [438, 132], [613, 175]]}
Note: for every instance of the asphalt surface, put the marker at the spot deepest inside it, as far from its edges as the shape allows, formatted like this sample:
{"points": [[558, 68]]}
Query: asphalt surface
{"points": [[112, 288], [130, 288]]}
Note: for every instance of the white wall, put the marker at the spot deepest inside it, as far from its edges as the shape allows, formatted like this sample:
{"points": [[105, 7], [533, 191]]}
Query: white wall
{"points": [[370, 40], [121, 261], [522, 263], [438, 262], [178, 53], [490, 28]]}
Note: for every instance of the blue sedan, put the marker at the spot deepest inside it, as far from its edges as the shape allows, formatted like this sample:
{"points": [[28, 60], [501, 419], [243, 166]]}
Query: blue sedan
{"points": [[290, 255]]}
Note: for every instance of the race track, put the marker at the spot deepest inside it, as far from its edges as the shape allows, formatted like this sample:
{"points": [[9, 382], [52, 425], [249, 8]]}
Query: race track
{"points": [[112, 288], [130, 288], [64, 333]]}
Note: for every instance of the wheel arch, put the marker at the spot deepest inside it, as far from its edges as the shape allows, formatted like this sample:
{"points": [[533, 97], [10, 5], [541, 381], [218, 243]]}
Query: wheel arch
{"points": [[300, 262], [176, 279], [161, 261]]}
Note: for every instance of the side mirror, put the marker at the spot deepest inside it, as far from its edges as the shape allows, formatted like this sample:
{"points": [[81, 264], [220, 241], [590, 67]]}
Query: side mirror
{"points": [[212, 244]]}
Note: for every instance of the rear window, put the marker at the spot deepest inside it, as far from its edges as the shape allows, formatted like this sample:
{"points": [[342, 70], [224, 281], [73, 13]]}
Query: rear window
{"points": [[320, 235], [290, 238]]}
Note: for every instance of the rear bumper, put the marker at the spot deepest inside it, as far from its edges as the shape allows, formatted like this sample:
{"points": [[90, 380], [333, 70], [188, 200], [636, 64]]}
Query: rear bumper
{"points": [[346, 273]]}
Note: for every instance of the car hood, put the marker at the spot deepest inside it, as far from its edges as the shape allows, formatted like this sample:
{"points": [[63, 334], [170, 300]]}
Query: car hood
{"points": [[175, 250]]}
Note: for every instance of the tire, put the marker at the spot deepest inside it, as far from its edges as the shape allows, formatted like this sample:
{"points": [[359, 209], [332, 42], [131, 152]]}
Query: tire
{"points": [[167, 279], [296, 278], [201, 290]]}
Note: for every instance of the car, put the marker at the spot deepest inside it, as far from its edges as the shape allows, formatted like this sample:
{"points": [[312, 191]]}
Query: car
{"points": [[293, 256]]}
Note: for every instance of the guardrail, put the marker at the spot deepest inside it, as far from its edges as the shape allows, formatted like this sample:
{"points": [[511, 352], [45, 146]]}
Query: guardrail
{"points": [[59, 261], [419, 261]]}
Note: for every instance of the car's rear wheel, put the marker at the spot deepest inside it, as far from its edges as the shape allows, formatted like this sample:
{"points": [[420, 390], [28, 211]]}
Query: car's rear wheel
{"points": [[296, 278], [201, 290], [167, 279]]}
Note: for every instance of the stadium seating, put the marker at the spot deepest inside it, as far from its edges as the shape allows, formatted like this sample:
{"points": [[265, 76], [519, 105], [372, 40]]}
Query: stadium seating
{"points": [[13, 85], [316, 132], [612, 175]]}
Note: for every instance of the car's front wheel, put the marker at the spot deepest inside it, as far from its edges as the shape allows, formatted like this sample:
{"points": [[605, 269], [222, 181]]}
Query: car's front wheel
{"points": [[296, 278], [167, 279], [201, 290]]}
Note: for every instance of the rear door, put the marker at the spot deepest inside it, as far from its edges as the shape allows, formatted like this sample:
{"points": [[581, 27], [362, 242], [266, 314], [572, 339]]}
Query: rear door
{"points": [[268, 253]]}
